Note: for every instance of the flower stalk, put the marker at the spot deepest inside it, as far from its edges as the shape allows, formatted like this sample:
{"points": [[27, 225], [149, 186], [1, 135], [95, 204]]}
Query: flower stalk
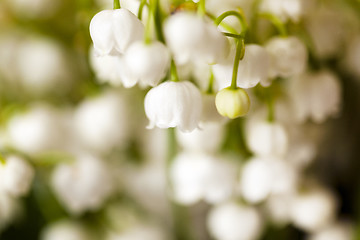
{"points": [[117, 4]]}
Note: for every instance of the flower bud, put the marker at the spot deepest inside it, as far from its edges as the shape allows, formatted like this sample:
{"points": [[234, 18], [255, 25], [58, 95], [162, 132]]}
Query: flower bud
{"points": [[232, 103]]}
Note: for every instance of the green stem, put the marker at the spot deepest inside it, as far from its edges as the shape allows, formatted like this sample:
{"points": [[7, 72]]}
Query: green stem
{"points": [[158, 21], [201, 8], [148, 33], [117, 4], [211, 83], [141, 8], [240, 51], [280, 26], [173, 72], [236, 14], [227, 27]]}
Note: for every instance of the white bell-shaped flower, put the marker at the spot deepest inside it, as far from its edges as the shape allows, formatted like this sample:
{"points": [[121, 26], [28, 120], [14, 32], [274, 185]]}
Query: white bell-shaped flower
{"points": [[65, 229], [231, 221], [192, 38], [288, 56], [42, 124], [16, 176], [197, 176], [328, 31], [147, 63], [266, 139], [264, 176], [253, 68], [284, 9], [207, 139], [310, 96], [278, 208], [108, 69], [82, 185], [340, 230], [174, 104], [41, 66], [103, 117], [314, 209], [113, 31]]}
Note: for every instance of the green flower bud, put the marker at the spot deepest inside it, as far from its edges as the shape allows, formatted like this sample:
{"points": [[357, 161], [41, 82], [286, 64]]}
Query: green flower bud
{"points": [[232, 103]]}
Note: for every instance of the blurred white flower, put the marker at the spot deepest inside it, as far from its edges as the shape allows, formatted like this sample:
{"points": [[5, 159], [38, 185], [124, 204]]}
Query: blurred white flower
{"points": [[197, 176], [42, 124], [174, 104], [207, 139], [327, 30], [113, 31], [34, 8], [310, 96], [336, 231], [278, 208], [102, 123], [261, 177], [231, 221], [191, 38], [65, 229], [313, 209], [253, 68], [41, 65], [16, 176], [108, 68], [146, 63], [266, 138], [82, 185], [288, 56], [284, 9]]}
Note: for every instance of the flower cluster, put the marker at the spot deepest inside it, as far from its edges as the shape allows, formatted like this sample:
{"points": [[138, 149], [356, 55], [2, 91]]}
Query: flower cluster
{"points": [[161, 120]]}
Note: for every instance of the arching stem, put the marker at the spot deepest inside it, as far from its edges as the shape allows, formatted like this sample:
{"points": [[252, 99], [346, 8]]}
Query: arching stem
{"points": [[279, 25]]}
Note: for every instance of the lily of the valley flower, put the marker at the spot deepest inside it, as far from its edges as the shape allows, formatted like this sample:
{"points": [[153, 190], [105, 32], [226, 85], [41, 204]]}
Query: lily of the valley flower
{"points": [[284, 9], [267, 139], [146, 63], [82, 185], [16, 176], [253, 68], [224, 222], [314, 209], [112, 31], [191, 38], [310, 96], [288, 56], [174, 104]]}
